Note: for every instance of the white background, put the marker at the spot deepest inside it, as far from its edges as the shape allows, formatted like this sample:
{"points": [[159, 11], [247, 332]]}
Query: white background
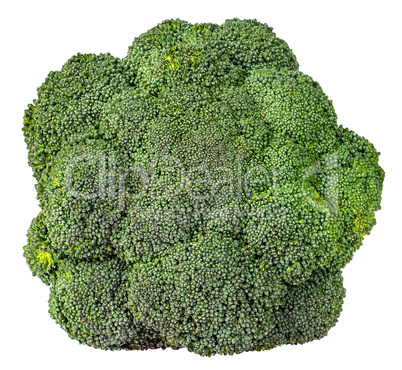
{"points": [[353, 49]]}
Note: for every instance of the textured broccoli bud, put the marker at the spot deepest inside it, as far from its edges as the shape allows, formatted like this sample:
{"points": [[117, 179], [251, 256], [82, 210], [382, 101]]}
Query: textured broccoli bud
{"points": [[198, 193], [39, 256], [89, 301], [308, 310]]}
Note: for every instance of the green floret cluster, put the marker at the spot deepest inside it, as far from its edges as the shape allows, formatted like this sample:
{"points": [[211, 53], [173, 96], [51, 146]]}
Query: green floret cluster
{"points": [[197, 193]]}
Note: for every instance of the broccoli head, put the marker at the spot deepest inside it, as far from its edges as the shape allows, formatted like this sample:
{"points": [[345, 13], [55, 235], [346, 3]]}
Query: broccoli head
{"points": [[197, 193]]}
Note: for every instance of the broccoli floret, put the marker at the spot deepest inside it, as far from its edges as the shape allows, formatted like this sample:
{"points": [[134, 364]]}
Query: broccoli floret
{"points": [[89, 301], [198, 193]]}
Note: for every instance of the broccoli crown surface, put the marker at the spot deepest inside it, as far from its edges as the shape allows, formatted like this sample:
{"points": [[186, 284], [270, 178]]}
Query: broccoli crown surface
{"points": [[197, 193]]}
